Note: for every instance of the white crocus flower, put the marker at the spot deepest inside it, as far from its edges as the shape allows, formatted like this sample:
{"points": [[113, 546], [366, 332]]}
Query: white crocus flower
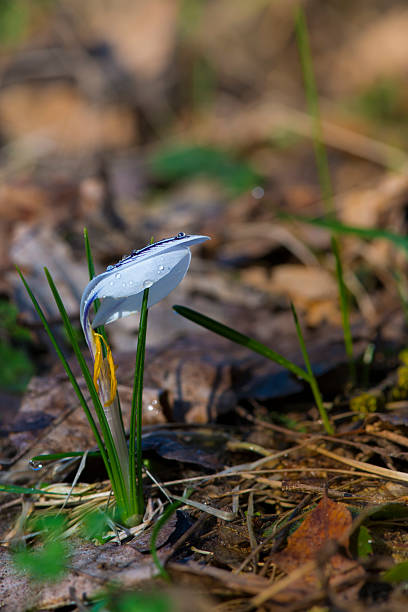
{"points": [[159, 267]]}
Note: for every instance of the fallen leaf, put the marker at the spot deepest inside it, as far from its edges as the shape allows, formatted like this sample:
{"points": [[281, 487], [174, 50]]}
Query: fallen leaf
{"points": [[141, 33], [328, 521], [311, 288], [61, 114], [198, 447], [359, 62]]}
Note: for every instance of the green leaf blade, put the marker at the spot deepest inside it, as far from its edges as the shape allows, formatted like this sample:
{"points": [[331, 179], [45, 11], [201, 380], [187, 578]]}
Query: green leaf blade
{"points": [[242, 339], [135, 435]]}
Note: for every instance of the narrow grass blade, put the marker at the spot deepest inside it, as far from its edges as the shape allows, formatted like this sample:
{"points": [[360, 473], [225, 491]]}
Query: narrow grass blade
{"points": [[313, 106], [396, 573], [116, 478], [402, 292], [135, 436], [238, 338], [312, 380], [5, 488], [322, 164], [59, 456], [167, 514], [69, 372], [366, 233]]}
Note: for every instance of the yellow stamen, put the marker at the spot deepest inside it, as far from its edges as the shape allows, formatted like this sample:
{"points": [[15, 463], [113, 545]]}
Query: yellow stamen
{"points": [[99, 368], [98, 358]]}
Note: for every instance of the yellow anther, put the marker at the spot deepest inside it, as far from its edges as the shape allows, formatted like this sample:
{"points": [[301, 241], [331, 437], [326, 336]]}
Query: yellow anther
{"points": [[100, 370], [98, 358], [113, 381]]}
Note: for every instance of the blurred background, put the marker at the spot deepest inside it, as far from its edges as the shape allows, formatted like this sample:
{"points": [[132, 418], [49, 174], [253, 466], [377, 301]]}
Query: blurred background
{"points": [[141, 118]]}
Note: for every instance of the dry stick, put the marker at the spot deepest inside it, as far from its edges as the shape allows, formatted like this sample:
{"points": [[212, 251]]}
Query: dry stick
{"points": [[388, 435], [360, 465], [250, 526], [277, 587], [221, 514], [183, 538], [278, 428], [248, 583], [248, 473], [292, 517], [295, 486], [342, 138], [362, 446]]}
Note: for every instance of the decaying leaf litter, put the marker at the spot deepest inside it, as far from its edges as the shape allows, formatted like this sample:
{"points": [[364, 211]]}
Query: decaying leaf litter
{"points": [[274, 512]]}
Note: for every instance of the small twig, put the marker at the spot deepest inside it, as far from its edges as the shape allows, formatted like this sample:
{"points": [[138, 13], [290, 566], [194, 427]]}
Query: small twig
{"points": [[279, 586], [250, 526], [183, 538], [360, 465], [221, 514], [79, 471], [392, 436]]}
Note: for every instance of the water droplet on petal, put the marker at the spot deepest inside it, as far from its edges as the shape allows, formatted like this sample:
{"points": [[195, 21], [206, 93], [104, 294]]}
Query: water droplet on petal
{"points": [[130, 283], [161, 268], [111, 283], [109, 268], [117, 275], [147, 283], [35, 465], [181, 235]]}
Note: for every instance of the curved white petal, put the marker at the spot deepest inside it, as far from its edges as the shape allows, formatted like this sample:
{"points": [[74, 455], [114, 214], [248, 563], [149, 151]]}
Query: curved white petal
{"points": [[160, 267], [113, 308]]}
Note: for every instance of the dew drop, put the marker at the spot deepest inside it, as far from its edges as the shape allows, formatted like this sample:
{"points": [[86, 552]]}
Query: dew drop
{"points": [[109, 268], [117, 275], [35, 465], [111, 283], [181, 235], [258, 192], [153, 405], [147, 283], [130, 283], [161, 268]]}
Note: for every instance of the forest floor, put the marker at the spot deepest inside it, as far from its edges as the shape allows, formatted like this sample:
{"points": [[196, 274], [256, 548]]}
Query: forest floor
{"points": [[150, 118]]}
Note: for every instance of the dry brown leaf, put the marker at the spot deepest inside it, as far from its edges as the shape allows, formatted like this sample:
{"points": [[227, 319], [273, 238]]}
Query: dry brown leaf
{"points": [[359, 62], [310, 288], [59, 112], [142, 33], [328, 521], [303, 284], [367, 207]]}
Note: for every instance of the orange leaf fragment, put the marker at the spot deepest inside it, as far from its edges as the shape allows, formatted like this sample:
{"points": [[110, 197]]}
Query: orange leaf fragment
{"points": [[328, 521]]}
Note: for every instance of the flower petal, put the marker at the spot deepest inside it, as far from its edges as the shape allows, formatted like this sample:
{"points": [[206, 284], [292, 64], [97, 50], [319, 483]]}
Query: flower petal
{"points": [[113, 308], [160, 267]]}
